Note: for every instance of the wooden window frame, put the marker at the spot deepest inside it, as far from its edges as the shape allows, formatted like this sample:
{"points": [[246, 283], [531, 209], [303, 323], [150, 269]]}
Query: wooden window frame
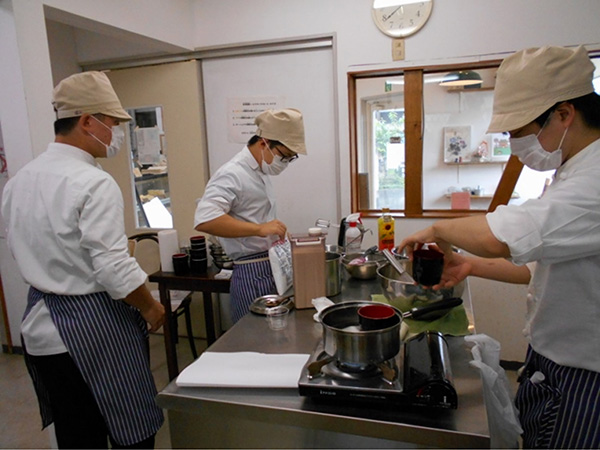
{"points": [[414, 126]]}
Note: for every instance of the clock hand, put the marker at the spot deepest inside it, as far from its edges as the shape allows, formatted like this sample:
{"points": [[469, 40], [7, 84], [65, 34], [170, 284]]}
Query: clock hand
{"points": [[385, 18]]}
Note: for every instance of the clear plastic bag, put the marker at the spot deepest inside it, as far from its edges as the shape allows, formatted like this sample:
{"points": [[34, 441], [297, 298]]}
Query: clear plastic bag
{"points": [[280, 257], [503, 416]]}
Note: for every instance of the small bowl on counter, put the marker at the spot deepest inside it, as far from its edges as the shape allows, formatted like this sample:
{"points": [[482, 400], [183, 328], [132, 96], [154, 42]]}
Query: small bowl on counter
{"points": [[362, 265]]}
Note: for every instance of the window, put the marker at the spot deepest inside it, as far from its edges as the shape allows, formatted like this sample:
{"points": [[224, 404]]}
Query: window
{"points": [[382, 167], [413, 143], [149, 167]]}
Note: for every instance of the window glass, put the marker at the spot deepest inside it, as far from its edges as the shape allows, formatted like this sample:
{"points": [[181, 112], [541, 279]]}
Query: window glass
{"points": [[459, 156], [381, 163], [149, 168], [596, 62]]}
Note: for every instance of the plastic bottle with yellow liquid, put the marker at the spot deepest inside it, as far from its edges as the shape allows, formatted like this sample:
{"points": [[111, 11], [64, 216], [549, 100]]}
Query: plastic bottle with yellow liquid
{"points": [[385, 226]]}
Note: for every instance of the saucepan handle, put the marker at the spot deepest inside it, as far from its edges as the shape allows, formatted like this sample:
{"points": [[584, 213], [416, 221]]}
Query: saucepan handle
{"points": [[439, 305]]}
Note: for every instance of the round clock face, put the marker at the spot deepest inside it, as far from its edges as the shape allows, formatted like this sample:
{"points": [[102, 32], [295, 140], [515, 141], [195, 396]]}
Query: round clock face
{"points": [[401, 20]]}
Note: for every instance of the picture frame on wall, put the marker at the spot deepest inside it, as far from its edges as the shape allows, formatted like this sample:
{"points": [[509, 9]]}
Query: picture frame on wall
{"points": [[500, 146], [457, 144]]}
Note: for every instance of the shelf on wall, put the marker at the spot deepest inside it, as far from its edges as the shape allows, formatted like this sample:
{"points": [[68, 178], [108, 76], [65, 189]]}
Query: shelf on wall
{"points": [[485, 196], [462, 89], [473, 163]]}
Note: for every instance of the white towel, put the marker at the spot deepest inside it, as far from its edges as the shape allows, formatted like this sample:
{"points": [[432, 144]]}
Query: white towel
{"points": [[244, 370]]}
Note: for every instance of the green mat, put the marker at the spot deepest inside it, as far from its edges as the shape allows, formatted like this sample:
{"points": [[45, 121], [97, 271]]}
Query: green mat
{"points": [[455, 323]]}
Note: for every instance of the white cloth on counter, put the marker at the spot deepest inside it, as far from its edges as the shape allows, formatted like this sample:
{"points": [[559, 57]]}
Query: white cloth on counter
{"points": [[224, 274], [320, 303], [244, 370]]}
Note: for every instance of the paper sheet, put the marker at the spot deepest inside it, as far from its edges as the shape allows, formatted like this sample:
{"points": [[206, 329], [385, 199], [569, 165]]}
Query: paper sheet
{"points": [[157, 214], [244, 369], [148, 145]]}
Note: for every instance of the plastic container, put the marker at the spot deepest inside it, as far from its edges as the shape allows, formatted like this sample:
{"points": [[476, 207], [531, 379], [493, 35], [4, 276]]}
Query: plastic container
{"points": [[353, 238], [385, 227]]}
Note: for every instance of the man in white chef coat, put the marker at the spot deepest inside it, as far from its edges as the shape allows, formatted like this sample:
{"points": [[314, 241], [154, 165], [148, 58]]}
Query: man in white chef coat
{"points": [[545, 99], [85, 327], [238, 204]]}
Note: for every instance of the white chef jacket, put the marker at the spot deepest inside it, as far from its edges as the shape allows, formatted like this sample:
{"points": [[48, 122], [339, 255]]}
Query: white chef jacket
{"points": [[239, 188], [561, 231], [64, 219]]}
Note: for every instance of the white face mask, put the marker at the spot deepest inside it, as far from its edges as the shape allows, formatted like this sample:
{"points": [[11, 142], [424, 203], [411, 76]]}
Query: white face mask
{"points": [[531, 153], [277, 165], [116, 142]]}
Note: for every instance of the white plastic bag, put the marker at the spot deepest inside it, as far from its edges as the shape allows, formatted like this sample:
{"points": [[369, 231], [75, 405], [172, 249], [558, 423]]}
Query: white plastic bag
{"points": [[503, 419], [280, 257]]}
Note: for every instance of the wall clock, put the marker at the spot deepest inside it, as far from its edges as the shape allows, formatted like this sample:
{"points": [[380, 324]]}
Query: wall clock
{"points": [[400, 18]]}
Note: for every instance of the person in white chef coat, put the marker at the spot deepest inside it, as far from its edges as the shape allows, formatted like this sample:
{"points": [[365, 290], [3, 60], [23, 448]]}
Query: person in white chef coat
{"points": [[238, 204], [85, 327], [545, 99]]}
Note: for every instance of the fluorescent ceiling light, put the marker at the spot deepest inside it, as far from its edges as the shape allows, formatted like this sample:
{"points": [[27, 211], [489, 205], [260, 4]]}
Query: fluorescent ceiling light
{"points": [[462, 78], [426, 79], [389, 3]]}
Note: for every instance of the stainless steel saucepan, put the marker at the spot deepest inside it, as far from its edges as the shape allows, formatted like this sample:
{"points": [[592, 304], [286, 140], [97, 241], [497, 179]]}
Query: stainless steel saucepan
{"points": [[345, 341]]}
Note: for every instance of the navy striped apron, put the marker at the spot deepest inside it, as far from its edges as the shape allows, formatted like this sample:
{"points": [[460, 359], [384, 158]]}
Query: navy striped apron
{"points": [[252, 277], [563, 410], [107, 339]]}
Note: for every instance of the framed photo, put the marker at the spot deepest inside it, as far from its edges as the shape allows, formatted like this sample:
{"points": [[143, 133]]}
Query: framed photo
{"points": [[457, 144], [500, 146]]}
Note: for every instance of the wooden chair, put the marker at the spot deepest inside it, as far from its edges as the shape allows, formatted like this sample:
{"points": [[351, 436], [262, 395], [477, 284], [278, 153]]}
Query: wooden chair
{"points": [[144, 248]]}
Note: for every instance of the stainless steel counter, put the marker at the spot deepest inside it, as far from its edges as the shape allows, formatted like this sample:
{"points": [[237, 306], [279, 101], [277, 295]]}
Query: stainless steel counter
{"points": [[281, 418]]}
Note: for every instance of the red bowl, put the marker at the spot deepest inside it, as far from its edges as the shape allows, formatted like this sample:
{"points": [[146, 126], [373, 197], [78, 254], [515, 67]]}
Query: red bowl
{"points": [[377, 317]]}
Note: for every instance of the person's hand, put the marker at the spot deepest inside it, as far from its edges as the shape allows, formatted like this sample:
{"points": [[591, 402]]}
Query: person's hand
{"points": [[273, 227], [416, 241], [154, 315], [456, 268]]}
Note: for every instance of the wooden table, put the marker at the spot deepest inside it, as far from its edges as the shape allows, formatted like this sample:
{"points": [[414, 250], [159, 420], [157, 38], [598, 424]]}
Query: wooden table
{"points": [[205, 283]]}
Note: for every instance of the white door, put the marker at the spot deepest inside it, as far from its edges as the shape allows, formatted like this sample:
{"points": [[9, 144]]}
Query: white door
{"points": [[301, 79]]}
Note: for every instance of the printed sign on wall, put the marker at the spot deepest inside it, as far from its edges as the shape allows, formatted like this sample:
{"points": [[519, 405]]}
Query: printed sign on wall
{"points": [[242, 112]]}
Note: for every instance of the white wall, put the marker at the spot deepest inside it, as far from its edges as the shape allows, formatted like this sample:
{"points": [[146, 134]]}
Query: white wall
{"points": [[25, 116], [166, 23], [456, 29]]}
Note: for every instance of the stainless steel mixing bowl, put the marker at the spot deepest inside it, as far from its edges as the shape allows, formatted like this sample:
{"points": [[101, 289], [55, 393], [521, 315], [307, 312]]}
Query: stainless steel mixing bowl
{"points": [[394, 288], [366, 270]]}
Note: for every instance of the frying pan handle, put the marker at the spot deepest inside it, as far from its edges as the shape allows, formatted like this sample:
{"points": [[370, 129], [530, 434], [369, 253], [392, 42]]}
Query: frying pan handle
{"points": [[415, 313]]}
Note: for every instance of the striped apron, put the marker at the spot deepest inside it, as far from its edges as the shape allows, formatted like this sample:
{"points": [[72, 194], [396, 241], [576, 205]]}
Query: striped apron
{"points": [[563, 410], [252, 277], [107, 340]]}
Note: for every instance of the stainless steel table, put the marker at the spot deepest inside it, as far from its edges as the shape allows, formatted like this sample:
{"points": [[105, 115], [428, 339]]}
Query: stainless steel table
{"points": [[281, 418]]}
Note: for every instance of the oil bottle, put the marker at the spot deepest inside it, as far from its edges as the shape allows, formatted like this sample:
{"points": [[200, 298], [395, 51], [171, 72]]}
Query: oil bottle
{"points": [[385, 227]]}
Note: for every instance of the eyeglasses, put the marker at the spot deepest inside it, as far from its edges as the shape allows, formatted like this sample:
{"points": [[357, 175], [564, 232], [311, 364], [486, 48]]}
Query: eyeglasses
{"points": [[287, 158]]}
